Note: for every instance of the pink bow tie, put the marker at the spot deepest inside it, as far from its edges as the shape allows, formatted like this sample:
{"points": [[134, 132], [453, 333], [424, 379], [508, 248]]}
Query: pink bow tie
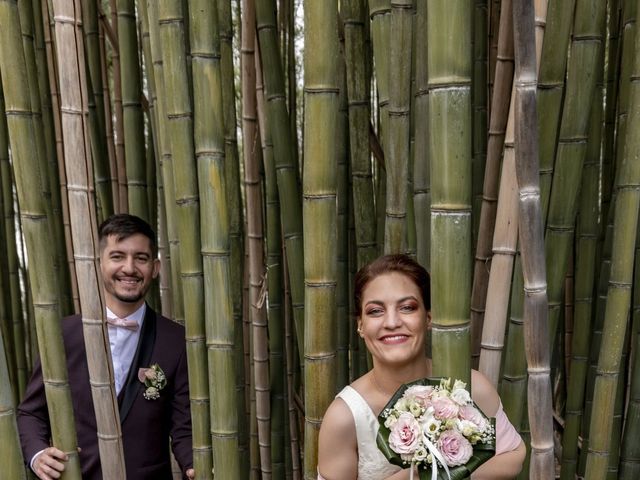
{"points": [[123, 322]]}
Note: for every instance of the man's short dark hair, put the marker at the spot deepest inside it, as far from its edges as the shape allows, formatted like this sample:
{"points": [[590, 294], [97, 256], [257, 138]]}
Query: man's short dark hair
{"points": [[122, 226]]}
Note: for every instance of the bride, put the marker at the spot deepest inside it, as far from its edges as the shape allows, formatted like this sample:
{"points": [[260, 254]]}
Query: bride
{"points": [[392, 298]]}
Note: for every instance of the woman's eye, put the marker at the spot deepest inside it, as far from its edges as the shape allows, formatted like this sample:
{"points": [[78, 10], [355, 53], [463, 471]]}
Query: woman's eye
{"points": [[374, 311], [408, 308]]}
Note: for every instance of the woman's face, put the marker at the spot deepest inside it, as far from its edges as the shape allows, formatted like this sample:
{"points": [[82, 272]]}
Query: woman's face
{"points": [[394, 319]]}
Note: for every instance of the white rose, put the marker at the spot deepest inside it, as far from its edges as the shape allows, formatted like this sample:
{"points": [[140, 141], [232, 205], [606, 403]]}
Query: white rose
{"points": [[460, 396]]}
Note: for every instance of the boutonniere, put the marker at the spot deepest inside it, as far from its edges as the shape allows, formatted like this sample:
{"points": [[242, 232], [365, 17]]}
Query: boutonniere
{"points": [[154, 379]]}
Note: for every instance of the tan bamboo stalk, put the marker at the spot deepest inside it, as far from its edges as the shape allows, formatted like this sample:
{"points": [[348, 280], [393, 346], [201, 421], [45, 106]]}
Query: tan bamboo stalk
{"points": [[500, 111], [586, 243], [450, 155], [70, 56], [255, 237], [118, 108], [530, 227], [13, 465], [99, 152], [275, 283], [55, 100], [132, 119], [479, 107], [165, 161], [619, 291], [36, 230], [397, 158], [584, 62], [505, 240], [421, 167], [180, 133], [493, 28], [319, 218], [354, 16], [283, 145]]}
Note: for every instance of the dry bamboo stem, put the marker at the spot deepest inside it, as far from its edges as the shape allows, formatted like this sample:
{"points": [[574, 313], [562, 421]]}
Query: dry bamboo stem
{"points": [[532, 243]]}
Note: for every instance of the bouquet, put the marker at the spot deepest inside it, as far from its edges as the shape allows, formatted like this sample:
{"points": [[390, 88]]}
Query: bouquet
{"points": [[434, 425]]}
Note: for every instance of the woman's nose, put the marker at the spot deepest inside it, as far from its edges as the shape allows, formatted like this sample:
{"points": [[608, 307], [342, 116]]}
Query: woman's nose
{"points": [[391, 319]]}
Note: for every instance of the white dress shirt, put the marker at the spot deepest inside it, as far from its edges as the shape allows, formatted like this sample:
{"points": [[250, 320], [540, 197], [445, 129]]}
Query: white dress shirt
{"points": [[123, 343]]}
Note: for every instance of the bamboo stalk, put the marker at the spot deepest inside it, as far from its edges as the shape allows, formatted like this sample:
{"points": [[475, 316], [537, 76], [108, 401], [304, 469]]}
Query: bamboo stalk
{"points": [[13, 466], [184, 177], [275, 282], [498, 124], [70, 53], [532, 241], [397, 158], [619, 291], [354, 15], [450, 154], [36, 230], [255, 239], [283, 145], [630, 454], [586, 243], [319, 219]]}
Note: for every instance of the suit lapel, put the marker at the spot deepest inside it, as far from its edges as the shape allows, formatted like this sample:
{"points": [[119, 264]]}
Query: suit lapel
{"points": [[141, 359]]}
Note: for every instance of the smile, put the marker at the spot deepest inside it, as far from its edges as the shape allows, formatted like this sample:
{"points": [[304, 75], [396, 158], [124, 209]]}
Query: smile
{"points": [[394, 338]]}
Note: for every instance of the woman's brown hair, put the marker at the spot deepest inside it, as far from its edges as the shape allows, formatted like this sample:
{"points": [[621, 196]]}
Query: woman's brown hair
{"points": [[398, 263]]}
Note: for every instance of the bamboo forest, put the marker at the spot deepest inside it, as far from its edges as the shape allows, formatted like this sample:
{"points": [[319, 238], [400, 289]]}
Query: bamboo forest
{"points": [[276, 146]]}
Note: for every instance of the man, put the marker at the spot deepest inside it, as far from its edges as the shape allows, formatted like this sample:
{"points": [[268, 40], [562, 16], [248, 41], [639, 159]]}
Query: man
{"points": [[139, 339]]}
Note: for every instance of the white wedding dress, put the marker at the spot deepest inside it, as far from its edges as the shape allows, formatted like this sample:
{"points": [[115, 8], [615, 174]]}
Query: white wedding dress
{"points": [[372, 464]]}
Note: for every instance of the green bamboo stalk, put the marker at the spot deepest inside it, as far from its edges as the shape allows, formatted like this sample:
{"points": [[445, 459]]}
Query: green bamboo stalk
{"points": [[283, 146], [479, 107], [421, 167], [619, 292], [494, 23], [232, 161], [354, 16], [531, 240], [586, 242], [450, 154], [319, 215], [97, 117], [551, 80], [13, 465], [343, 313], [165, 161], [255, 239], [498, 122], [70, 56], [274, 287], [37, 235], [397, 158], [133, 121], [630, 454], [184, 177], [584, 64]]}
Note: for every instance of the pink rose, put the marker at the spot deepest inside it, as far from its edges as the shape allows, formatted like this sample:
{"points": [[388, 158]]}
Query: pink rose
{"points": [[405, 434], [421, 394], [455, 449], [445, 408], [472, 414]]}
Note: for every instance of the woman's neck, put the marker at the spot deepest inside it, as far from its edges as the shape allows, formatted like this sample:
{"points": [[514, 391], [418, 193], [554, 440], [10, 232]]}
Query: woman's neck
{"points": [[387, 379]]}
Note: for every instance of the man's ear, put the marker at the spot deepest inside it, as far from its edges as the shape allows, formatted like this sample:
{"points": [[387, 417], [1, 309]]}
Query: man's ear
{"points": [[156, 267]]}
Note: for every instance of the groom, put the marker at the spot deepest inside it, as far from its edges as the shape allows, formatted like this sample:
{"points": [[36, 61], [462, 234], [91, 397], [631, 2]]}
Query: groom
{"points": [[139, 339]]}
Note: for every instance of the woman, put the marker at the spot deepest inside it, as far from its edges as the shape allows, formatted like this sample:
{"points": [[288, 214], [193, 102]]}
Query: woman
{"points": [[393, 299]]}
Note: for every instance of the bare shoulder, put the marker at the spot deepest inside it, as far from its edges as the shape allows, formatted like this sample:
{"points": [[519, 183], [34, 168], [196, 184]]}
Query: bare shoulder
{"points": [[338, 422], [484, 394]]}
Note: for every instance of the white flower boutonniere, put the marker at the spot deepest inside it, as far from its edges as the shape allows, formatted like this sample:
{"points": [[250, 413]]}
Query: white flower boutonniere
{"points": [[154, 379]]}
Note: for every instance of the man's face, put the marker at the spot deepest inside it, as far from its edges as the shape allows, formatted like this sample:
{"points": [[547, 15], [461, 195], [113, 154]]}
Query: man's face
{"points": [[128, 268]]}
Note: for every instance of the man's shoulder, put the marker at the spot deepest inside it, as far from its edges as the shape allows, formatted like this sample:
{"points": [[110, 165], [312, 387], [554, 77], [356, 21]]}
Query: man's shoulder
{"points": [[166, 324]]}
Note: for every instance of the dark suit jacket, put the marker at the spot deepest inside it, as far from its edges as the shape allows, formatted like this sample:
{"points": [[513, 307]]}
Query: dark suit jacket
{"points": [[147, 425]]}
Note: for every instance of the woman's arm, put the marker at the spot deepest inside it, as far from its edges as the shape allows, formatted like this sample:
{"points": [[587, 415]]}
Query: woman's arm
{"points": [[506, 464]]}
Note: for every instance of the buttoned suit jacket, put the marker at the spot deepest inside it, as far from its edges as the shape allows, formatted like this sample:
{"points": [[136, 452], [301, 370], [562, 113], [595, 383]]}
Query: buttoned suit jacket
{"points": [[148, 426]]}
